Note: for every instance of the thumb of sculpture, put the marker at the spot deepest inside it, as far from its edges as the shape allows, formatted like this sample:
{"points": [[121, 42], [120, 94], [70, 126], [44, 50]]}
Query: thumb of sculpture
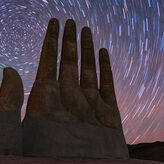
{"points": [[11, 101]]}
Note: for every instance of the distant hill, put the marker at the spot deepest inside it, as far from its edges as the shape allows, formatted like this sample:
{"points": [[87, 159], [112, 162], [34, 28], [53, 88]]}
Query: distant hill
{"points": [[147, 151]]}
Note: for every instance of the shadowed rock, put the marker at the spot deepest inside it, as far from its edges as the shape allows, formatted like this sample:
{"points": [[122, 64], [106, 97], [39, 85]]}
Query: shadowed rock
{"points": [[68, 67], [107, 86], [88, 67], [65, 119], [11, 91], [11, 101], [147, 151], [48, 59]]}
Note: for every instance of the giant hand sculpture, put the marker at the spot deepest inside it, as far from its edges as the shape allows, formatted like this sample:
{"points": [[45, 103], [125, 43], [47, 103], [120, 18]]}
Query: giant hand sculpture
{"points": [[67, 119], [11, 101]]}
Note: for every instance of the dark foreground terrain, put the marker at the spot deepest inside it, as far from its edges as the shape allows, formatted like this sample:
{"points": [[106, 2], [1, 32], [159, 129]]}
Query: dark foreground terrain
{"points": [[147, 151], [21, 160], [143, 153]]}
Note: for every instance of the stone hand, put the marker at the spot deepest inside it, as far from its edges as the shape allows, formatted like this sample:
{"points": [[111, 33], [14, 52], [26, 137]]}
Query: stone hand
{"points": [[68, 119], [65, 99]]}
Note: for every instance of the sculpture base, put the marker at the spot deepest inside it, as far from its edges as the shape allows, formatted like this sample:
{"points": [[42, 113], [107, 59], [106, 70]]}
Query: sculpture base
{"points": [[51, 138], [10, 133]]}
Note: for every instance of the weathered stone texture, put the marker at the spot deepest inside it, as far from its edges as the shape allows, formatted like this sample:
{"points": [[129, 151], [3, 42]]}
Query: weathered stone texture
{"points": [[11, 101], [52, 138], [67, 119], [11, 91]]}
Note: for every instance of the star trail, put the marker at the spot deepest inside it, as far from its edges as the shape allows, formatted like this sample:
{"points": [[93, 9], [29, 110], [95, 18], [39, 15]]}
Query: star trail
{"points": [[131, 30]]}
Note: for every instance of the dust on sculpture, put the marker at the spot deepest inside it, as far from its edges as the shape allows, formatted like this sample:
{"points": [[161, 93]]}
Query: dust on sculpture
{"points": [[67, 119]]}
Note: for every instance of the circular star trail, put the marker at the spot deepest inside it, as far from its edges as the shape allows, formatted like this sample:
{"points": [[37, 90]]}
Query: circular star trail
{"points": [[131, 30]]}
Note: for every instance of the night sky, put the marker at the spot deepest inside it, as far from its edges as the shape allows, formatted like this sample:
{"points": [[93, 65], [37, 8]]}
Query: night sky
{"points": [[131, 30]]}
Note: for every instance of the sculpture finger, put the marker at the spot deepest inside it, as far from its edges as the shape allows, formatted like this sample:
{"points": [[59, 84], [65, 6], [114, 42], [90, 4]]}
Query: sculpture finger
{"points": [[106, 79], [107, 86], [11, 91], [88, 67], [48, 61], [68, 66]]}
